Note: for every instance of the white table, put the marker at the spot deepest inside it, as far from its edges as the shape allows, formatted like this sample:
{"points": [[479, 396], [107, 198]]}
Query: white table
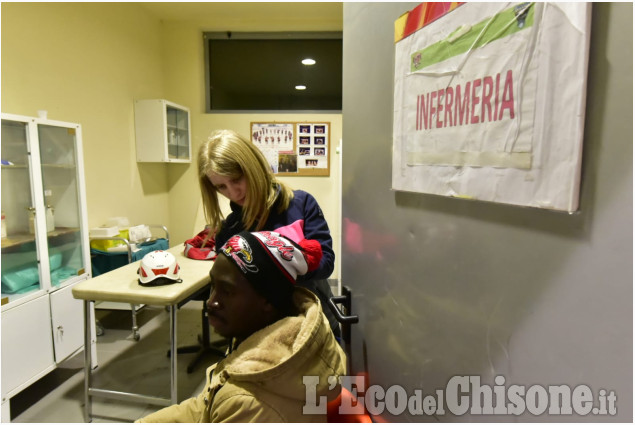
{"points": [[121, 285]]}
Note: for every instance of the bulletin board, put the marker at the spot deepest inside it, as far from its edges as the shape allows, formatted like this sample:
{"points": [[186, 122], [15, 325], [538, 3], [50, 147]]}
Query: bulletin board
{"points": [[294, 148], [489, 101]]}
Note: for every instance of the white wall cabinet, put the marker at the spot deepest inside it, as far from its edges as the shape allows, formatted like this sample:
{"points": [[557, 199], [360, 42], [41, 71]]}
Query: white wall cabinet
{"points": [[162, 131], [45, 249]]}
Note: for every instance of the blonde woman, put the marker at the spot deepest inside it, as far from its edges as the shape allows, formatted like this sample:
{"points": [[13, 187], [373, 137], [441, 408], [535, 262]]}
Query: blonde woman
{"points": [[230, 166]]}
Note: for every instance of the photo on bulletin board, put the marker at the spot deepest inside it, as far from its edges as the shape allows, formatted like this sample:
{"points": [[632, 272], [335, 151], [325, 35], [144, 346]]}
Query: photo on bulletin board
{"points": [[489, 101], [287, 163], [294, 149]]}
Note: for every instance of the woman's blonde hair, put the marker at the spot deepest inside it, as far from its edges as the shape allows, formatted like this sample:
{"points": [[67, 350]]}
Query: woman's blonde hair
{"points": [[227, 154]]}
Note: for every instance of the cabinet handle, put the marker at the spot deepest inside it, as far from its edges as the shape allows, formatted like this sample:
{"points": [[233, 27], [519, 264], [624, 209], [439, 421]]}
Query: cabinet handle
{"points": [[60, 330]]}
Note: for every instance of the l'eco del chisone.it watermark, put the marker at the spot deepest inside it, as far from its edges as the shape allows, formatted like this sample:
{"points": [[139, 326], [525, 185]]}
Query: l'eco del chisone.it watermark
{"points": [[465, 394]]}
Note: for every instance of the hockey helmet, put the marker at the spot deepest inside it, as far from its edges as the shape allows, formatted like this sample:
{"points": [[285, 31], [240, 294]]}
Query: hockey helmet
{"points": [[158, 268]]}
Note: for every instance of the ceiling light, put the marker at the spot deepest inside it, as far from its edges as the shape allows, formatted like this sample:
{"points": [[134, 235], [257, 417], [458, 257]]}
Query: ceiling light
{"points": [[308, 61], [299, 87]]}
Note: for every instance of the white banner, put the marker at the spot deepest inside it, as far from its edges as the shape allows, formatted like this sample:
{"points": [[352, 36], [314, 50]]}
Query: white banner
{"points": [[489, 104]]}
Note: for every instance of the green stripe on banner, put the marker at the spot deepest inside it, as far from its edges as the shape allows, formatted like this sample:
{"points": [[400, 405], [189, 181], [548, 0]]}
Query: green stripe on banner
{"points": [[499, 26]]}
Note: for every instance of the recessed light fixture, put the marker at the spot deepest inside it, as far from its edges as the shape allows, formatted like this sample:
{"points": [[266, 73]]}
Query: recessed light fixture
{"points": [[308, 61], [300, 87]]}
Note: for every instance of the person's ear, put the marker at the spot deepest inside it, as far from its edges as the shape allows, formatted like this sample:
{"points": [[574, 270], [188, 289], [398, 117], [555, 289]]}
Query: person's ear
{"points": [[269, 311], [267, 307]]}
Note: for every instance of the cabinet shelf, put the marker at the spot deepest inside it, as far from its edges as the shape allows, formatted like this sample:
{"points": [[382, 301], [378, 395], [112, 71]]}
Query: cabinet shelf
{"points": [[61, 166], [22, 238], [23, 166]]}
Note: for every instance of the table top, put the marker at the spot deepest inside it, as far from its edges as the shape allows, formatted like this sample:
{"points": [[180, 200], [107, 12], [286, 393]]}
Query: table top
{"points": [[121, 285]]}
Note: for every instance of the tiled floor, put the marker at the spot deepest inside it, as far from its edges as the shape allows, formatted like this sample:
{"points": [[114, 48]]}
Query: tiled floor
{"points": [[124, 365]]}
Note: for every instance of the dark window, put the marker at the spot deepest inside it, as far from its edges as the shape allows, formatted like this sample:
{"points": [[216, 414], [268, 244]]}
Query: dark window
{"points": [[260, 71]]}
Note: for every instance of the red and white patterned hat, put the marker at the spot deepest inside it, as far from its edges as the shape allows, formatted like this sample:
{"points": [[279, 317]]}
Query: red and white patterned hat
{"points": [[271, 262]]}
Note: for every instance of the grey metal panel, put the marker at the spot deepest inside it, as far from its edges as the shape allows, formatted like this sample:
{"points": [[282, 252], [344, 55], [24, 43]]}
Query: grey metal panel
{"points": [[447, 287]]}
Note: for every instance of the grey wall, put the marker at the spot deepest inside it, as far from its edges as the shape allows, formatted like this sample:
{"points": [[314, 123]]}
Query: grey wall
{"points": [[447, 287]]}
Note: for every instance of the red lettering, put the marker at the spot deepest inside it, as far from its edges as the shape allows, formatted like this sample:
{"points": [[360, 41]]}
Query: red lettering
{"points": [[449, 97], [475, 99], [284, 249], [425, 108], [439, 108], [462, 109], [498, 79], [418, 112], [433, 110], [459, 105], [507, 101], [487, 94], [286, 252]]}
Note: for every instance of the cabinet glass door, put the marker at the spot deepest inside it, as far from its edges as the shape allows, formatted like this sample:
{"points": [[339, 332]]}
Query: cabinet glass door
{"points": [[178, 133], [60, 180], [20, 266]]}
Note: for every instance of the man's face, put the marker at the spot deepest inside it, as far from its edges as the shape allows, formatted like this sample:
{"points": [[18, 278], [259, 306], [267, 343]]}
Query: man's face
{"points": [[234, 308]]}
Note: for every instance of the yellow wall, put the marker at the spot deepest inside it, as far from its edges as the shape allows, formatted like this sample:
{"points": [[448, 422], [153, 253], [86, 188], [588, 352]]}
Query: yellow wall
{"points": [[88, 62], [85, 63]]}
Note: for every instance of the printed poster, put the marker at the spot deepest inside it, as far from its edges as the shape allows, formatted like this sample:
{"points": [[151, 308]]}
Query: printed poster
{"points": [[275, 141]]}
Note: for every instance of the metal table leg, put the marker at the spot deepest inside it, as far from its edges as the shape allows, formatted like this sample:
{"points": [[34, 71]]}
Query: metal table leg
{"points": [[90, 392], [87, 362], [135, 327], [173, 350]]}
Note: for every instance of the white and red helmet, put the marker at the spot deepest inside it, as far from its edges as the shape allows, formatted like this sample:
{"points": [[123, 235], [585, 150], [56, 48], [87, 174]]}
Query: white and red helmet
{"points": [[158, 268]]}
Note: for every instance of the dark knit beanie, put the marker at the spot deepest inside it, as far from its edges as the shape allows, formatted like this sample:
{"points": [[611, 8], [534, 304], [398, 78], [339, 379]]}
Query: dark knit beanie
{"points": [[272, 263]]}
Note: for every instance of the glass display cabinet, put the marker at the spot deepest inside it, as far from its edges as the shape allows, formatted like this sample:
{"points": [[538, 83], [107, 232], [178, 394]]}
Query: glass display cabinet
{"points": [[44, 247], [162, 131]]}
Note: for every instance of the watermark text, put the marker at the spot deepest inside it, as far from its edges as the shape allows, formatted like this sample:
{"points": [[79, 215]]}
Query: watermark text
{"points": [[463, 395]]}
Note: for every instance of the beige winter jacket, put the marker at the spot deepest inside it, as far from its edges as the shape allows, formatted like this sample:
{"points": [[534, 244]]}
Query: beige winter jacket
{"points": [[262, 380]]}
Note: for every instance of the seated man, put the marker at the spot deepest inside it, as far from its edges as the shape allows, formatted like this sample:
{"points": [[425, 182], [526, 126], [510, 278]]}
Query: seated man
{"points": [[279, 335]]}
